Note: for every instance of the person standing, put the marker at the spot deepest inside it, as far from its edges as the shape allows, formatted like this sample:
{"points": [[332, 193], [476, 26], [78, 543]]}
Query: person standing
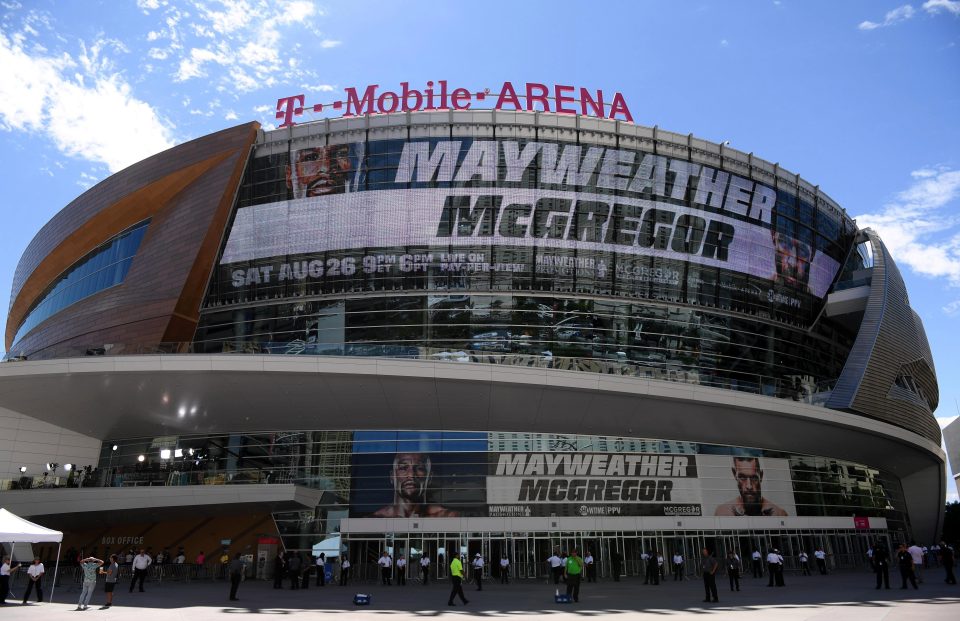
{"points": [[616, 560], [385, 566], [660, 567], [821, 557], [905, 565], [733, 570], [645, 566], [344, 571], [653, 570], [35, 573], [478, 571], [573, 571], [198, 563], [140, 564], [89, 566], [757, 563], [112, 575], [590, 567], [321, 566], [916, 554], [279, 569], [677, 566], [947, 559], [424, 569], [504, 570], [402, 571], [5, 573], [293, 570], [881, 564], [804, 563], [236, 573], [556, 566], [773, 563], [709, 566], [456, 578]]}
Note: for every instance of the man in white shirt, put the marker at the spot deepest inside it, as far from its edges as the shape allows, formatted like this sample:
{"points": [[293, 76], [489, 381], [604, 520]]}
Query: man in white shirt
{"points": [[504, 570], [590, 568], [321, 570], [478, 571], [821, 557], [757, 564], [659, 566], [385, 563], [35, 573], [556, 566], [402, 571], [804, 563], [344, 571], [425, 569], [677, 566], [140, 564], [774, 563], [916, 553], [5, 572]]}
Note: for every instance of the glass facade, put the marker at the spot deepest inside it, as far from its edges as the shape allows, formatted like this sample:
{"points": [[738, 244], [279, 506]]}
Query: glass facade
{"points": [[100, 269]]}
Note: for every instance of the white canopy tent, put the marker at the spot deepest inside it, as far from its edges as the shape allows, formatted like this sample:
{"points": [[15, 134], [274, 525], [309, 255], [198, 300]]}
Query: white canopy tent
{"points": [[15, 529]]}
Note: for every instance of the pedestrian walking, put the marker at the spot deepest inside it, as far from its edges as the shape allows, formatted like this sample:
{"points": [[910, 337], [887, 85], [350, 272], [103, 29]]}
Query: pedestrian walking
{"points": [[478, 571], [677, 566], [402, 571], [916, 555], [456, 578], [556, 566], [504, 570], [111, 577], [947, 559], [35, 574], [279, 570], [344, 571], [881, 564], [905, 565], [733, 570], [294, 564], [424, 569], [804, 563], [235, 570], [757, 563], [709, 566], [573, 571], [6, 572], [89, 566]]}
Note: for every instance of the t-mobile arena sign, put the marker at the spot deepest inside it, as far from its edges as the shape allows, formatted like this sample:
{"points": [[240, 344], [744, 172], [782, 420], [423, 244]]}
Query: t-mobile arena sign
{"points": [[561, 99]]}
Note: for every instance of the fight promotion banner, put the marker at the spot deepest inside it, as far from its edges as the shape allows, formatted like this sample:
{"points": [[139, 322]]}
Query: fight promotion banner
{"points": [[736, 486], [592, 484], [613, 215]]}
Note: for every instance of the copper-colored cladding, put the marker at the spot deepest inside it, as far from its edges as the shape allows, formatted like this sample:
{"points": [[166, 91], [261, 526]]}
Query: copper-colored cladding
{"points": [[188, 192]]}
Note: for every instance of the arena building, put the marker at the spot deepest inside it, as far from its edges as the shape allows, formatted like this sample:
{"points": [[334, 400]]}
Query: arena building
{"points": [[497, 331]]}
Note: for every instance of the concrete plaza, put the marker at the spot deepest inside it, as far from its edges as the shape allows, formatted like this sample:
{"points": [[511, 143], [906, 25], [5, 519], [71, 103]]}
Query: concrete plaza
{"points": [[837, 597]]}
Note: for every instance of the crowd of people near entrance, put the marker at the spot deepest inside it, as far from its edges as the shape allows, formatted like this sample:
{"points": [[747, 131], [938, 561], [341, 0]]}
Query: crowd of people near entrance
{"points": [[568, 569]]}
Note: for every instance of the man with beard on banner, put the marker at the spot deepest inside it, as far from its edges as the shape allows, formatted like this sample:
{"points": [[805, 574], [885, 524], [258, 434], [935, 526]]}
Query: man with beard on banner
{"points": [[749, 478], [319, 171], [410, 480]]}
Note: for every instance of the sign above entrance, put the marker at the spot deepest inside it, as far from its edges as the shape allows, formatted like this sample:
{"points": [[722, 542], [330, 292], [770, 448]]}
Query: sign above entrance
{"points": [[529, 97]]}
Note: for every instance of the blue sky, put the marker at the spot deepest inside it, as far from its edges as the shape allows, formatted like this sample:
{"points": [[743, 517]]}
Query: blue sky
{"points": [[862, 98]]}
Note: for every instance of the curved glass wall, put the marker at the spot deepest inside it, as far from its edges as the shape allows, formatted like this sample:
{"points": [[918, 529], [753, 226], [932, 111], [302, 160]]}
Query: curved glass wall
{"points": [[98, 270]]}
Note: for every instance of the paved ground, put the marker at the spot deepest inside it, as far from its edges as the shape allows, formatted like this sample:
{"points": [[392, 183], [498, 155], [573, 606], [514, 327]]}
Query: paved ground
{"points": [[840, 597]]}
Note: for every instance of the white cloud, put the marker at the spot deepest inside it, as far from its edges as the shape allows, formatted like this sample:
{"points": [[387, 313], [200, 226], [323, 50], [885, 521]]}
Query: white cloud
{"points": [[935, 6], [897, 15], [917, 229], [952, 308], [724, 43], [85, 108], [319, 88], [230, 116], [329, 43], [148, 5]]}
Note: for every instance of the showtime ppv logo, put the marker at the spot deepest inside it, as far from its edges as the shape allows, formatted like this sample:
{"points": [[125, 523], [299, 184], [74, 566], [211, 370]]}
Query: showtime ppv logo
{"points": [[534, 96]]}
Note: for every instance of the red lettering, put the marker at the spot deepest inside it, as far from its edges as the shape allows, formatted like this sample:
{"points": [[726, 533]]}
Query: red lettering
{"points": [[459, 96], [358, 107], [289, 107], [562, 99], [394, 102], [540, 96], [619, 106], [405, 98], [597, 104], [443, 95], [507, 94]]}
